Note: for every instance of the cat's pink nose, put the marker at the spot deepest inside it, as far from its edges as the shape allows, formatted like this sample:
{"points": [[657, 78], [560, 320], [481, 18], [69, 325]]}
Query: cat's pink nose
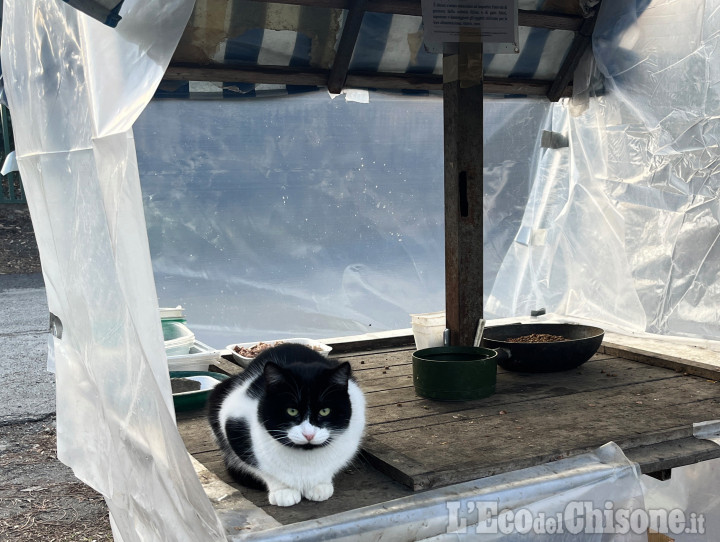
{"points": [[308, 435]]}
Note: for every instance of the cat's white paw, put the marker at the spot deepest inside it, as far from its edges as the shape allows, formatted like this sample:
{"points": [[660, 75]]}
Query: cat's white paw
{"points": [[320, 492], [284, 497]]}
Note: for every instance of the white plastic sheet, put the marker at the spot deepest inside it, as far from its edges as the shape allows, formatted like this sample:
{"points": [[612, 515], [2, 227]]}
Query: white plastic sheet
{"points": [[9, 165], [622, 225], [74, 88], [294, 216], [619, 227], [310, 216], [691, 489], [587, 498]]}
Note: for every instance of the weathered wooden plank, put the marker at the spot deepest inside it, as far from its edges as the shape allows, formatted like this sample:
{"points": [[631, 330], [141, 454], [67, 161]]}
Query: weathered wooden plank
{"points": [[197, 434], [394, 357], [213, 461], [366, 375], [408, 412], [399, 375], [276, 75], [522, 87], [673, 453], [221, 365], [484, 442], [371, 366], [364, 346], [513, 388], [696, 368], [383, 358], [360, 484]]}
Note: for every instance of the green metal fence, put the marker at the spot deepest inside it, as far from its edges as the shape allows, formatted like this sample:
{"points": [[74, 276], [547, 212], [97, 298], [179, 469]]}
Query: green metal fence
{"points": [[11, 189]]}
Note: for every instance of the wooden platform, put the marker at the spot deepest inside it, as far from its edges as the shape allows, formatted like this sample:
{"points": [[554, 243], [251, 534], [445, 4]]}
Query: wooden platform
{"points": [[413, 444]]}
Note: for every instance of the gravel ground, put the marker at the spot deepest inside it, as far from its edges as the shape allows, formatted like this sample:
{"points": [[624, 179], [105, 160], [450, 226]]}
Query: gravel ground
{"points": [[18, 251], [40, 498]]}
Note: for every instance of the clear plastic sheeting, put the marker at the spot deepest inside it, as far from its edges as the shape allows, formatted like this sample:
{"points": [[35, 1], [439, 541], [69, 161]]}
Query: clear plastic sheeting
{"points": [[299, 216], [691, 495], [588, 498], [622, 225], [273, 230], [310, 216], [709, 430], [74, 88]]}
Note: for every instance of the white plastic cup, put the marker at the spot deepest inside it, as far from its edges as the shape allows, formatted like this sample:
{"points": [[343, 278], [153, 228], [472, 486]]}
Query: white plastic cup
{"points": [[428, 329]]}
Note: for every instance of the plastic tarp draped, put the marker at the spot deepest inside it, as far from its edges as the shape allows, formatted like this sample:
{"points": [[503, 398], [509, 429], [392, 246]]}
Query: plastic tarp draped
{"points": [[74, 88], [622, 225], [619, 225], [294, 216], [310, 216], [590, 497]]}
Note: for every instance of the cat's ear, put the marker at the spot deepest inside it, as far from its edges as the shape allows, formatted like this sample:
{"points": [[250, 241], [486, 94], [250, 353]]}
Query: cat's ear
{"points": [[341, 374], [273, 374]]}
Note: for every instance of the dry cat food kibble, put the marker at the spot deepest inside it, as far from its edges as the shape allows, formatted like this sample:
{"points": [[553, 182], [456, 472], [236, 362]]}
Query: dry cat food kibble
{"points": [[254, 350], [537, 338]]}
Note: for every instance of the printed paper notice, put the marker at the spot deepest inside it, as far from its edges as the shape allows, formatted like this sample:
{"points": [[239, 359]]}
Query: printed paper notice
{"points": [[488, 21]]}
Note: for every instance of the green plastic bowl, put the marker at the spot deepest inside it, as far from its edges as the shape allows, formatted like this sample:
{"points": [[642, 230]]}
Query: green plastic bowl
{"points": [[193, 400], [455, 373]]}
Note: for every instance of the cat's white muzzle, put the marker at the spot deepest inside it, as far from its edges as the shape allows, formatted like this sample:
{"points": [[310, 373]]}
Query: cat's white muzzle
{"points": [[306, 433]]}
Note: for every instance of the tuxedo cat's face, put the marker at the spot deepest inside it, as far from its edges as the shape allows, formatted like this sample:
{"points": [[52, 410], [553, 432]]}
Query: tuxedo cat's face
{"points": [[305, 405]]}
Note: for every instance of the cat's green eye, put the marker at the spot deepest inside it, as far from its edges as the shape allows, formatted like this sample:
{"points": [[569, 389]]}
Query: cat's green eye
{"points": [[324, 411], [292, 411]]}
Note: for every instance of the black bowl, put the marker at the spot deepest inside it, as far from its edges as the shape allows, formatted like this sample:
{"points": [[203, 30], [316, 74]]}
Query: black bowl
{"points": [[581, 344]]}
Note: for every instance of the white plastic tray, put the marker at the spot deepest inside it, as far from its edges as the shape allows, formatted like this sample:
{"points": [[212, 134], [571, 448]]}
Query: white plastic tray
{"points": [[244, 361], [172, 313], [198, 359], [178, 338], [206, 383]]}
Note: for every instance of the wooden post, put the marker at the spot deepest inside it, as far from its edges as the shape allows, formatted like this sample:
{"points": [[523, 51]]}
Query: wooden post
{"points": [[463, 119]]}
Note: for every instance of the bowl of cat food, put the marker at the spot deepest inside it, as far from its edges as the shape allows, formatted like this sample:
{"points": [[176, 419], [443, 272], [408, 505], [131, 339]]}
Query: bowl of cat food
{"points": [[455, 373], [544, 347], [244, 353], [191, 389]]}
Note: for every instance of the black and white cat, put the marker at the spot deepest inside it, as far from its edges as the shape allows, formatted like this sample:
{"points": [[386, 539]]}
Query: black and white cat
{"points": [[291, 421]]}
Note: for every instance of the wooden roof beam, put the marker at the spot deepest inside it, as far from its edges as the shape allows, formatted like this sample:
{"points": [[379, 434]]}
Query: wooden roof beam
{"points": [[283, 75], [269, 75], [341, 63], [580, 44]]}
